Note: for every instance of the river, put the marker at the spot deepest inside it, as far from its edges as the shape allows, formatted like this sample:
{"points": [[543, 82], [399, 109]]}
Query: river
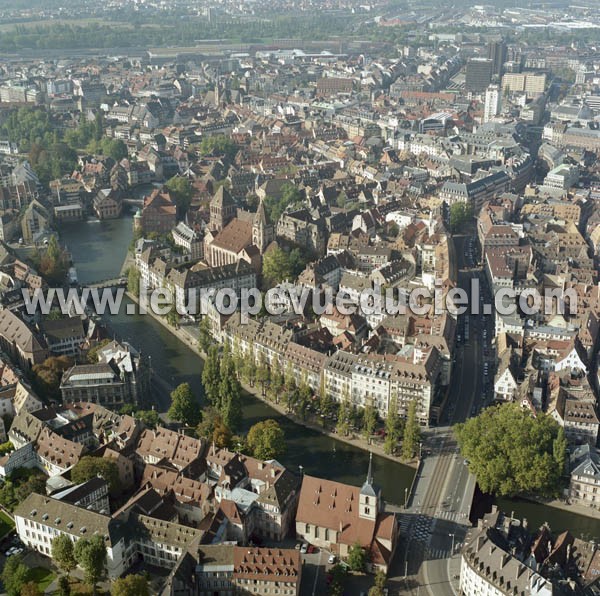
{"points": [[98, 250]]}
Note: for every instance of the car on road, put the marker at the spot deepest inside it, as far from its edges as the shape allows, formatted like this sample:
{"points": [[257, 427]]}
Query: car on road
{"points": [[331, 560], [304, 548]]}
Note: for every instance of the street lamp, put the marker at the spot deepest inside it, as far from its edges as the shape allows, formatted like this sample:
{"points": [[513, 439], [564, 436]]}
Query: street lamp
{"points": [[452, 551]]}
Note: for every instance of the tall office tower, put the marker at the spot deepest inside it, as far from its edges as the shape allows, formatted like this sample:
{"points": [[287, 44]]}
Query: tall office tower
{"points": [[493, 102], [478, 74], [497, 54]]}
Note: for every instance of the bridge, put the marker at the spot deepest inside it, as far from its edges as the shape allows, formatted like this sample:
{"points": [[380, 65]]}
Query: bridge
{"points": [[104, 284]]}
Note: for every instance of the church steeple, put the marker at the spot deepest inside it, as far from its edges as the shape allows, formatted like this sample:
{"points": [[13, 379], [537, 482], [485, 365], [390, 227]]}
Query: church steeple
{"points": [[370, 470], [262, 231], [369, 495]]}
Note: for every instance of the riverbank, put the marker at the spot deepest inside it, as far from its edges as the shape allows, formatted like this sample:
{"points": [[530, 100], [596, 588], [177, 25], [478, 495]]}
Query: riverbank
{"points": [[191, 341]]}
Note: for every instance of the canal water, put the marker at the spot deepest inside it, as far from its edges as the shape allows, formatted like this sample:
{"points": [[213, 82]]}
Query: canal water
{"points": [[98, 250]]}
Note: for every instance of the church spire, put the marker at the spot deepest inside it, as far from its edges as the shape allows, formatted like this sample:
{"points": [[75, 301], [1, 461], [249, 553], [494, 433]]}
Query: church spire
{"points": [[370, 470]]}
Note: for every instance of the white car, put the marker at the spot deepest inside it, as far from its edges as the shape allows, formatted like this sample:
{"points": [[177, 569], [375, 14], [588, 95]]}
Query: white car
{"points": [[304, 548], [331, 559]]}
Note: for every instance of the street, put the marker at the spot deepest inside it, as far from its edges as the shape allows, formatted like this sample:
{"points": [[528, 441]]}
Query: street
{"points": [[437, 516]]}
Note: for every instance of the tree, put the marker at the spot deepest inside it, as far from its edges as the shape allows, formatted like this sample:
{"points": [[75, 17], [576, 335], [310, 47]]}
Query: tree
{"points": [[338, 579], [379, 585], [184, 407], [512, 452], [130, 585], [14, 575], [172, 317], [150, 418], [229, 397], [266, 440], [211, 375], [64, 588], [53, 263], [204, 336], [6, 448], [90, 466], [343, 425], [63, 553], [92, 355], [91, 557], [218, 145], [181, 190], [369, 420], [30, 589], [221, 435], [393, 428], [133, 281], [460, 215], [357, 557], [276, 267], [48, 374], [263, 374], [412, 432]]}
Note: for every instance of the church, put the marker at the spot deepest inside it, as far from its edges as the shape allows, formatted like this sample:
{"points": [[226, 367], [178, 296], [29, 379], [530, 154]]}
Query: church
{"points": [[236, 235], [335, 516]]}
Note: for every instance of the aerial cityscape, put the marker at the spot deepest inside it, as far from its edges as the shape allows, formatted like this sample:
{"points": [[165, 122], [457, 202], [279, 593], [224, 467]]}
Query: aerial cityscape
{"points": [[299, 299]]}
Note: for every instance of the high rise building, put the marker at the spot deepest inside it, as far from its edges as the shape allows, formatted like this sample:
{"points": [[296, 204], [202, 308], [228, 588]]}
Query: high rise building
{"points": [[478, 74], [493, 102], [497, 54]]}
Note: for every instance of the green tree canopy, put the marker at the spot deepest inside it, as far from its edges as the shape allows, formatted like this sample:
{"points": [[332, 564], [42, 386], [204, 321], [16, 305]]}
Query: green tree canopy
{"points": [[211, 375], [92, 355], [130, 585], [90, 466], [290, 196], [379, 584], [512, 452], [266, 440], [279, 265], [14, 575], [181, 190], [412, 432], [460, 215], [48, 374], [357, 557], [30, 589], [90, 553], [369, 420], [184, 407], [63, 553], [204, 336], [393, 428], [218, 145]]}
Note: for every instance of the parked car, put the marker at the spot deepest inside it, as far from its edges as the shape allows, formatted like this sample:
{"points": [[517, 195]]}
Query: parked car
{"points": [[331, 559], [304, 548]]}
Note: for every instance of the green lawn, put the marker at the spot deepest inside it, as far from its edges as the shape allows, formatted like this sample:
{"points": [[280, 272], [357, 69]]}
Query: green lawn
{"points": [[6, 524], [42, 577]]}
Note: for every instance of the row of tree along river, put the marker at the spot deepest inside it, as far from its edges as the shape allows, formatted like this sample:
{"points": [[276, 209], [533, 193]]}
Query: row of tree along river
{"points": [[99, 249]]}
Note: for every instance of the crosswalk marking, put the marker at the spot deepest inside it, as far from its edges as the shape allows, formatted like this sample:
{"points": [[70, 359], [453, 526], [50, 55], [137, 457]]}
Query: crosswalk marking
{"points": [[438, 553]]}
